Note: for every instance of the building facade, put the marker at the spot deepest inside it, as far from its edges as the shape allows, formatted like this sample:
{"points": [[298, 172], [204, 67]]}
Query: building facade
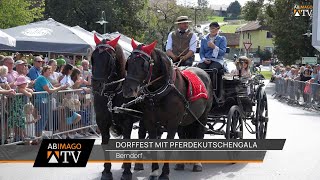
{"points": [[257, 35]]}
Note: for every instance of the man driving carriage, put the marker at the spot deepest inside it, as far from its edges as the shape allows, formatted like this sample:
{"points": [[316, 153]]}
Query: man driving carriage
{"points": [[181, 44]]}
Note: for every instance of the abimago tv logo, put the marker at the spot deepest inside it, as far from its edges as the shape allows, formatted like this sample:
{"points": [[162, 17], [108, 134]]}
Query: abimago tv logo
{"points": [[64, 153]]}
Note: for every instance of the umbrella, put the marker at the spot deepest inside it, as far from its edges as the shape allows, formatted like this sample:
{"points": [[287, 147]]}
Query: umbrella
{"points": [[49, 36], [6, 39]]}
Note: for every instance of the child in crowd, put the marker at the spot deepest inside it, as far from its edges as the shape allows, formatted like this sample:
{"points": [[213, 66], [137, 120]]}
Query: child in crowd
{"points": [[72, 104], [28, 110], [3, 79]]}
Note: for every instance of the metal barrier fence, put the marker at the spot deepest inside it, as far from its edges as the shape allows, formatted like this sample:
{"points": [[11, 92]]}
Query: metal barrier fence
{"points": [[296, 93], [65, 114]]}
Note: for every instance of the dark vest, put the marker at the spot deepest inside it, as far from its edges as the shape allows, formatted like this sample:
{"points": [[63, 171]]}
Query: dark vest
{"points": [[180, 42]]}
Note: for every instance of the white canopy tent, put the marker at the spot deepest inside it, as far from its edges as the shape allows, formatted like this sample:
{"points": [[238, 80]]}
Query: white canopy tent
{"points": [[6, 39]]}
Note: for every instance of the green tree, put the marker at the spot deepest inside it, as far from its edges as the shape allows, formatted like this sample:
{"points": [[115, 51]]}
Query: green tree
{"points": [[203, 3], [19, 12], [123, 16], [264, 55], [251, 10], [160, 18], [234, 9], [287, 29]]}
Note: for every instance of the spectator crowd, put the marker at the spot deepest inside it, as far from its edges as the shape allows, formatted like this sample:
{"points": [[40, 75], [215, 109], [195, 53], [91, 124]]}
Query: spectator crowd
{"points": [[298, 81], [26, 90]]}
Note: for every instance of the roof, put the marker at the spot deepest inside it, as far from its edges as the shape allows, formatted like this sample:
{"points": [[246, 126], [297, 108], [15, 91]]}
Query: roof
{"points": [[250, 26], [49, 36], [233, 39]]}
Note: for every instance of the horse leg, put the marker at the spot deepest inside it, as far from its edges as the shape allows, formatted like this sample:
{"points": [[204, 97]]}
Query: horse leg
{"points": [[141, 135], [182, 135], [198, 133], [166, 169], [127, 129], [104, 125], [155, 166]]}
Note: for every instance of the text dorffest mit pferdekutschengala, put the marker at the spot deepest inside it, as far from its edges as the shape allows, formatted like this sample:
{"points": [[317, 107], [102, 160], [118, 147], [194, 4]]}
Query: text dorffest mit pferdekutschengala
{"points": [[187, 145]]}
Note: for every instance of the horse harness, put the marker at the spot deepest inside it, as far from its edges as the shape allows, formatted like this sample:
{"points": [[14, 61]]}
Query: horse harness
{"points": [[156, 96], [104, 83]]}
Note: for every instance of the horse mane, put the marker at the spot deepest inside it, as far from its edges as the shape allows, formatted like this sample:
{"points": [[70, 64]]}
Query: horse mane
{"points": [[120, 61], [161, 57]]}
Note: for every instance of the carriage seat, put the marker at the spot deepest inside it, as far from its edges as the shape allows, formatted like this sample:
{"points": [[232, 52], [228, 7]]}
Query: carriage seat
{"points": [[216, 79]]}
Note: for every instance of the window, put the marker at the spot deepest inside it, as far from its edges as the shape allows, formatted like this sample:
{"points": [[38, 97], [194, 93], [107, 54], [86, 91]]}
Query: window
{"points": [[248, 36], [243, 36], [269, 35]]}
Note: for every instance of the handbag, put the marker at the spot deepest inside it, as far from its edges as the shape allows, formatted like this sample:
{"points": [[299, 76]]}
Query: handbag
{"points": [[307, 88]]}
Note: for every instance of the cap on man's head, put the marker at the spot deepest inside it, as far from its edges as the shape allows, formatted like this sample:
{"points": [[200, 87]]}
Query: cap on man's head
{"points": [[182, 19], [19, 62], [214, 24]]}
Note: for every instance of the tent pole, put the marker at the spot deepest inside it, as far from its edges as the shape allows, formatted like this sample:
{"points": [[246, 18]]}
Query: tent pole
{"points": [[49, 55]]}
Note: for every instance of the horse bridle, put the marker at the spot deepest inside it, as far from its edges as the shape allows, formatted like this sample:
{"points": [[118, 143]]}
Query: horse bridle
{"points": [[148, 65], [104, 81]]}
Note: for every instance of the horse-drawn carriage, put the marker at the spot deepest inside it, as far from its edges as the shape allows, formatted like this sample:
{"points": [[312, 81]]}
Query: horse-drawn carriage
{"points": [[242, 100], [169, 99]]}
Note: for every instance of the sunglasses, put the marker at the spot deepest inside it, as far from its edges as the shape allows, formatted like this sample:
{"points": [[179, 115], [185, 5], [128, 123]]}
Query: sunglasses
{"points": [[212, 29], [39, 61]]}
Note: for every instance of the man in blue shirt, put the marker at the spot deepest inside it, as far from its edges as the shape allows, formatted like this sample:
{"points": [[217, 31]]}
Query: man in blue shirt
{"points": [[212, 49], [35, 70]]}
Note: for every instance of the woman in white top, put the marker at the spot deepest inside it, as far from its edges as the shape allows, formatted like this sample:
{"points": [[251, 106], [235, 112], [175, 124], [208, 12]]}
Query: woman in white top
{"points": [[66, 78], [54, 76]]}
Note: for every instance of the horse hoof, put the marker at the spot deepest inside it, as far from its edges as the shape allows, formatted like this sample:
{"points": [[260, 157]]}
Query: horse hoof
{"points": [[179, 167], [126, 177], [197, 168], [164, 177], [138, 167], [106, 176], [153, 177]]}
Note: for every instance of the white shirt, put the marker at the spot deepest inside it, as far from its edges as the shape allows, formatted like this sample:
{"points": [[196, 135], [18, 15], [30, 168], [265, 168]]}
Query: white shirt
{"points": [[53, 78], [216, 49], [192, 43], [66, 80]]}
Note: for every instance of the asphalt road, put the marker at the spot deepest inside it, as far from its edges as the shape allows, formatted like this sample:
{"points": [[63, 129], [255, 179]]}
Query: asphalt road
{"points": [[298, 160]]}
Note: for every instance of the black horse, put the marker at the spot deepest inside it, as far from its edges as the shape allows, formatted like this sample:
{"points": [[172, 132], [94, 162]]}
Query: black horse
{"points": [[108, 68], [151, 72]]}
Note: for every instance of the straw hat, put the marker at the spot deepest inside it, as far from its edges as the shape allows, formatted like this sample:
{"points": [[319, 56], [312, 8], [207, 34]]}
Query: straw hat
{"points": [[182, 19]]}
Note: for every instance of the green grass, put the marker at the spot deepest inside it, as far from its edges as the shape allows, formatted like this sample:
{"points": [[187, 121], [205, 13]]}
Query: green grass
{"points": [[215, 19], [229, 28], [267, 74]]}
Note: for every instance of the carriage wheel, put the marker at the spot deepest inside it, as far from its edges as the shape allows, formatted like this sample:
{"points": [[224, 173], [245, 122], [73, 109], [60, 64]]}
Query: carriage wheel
{"points": [[234, 123], [261, 120]]}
